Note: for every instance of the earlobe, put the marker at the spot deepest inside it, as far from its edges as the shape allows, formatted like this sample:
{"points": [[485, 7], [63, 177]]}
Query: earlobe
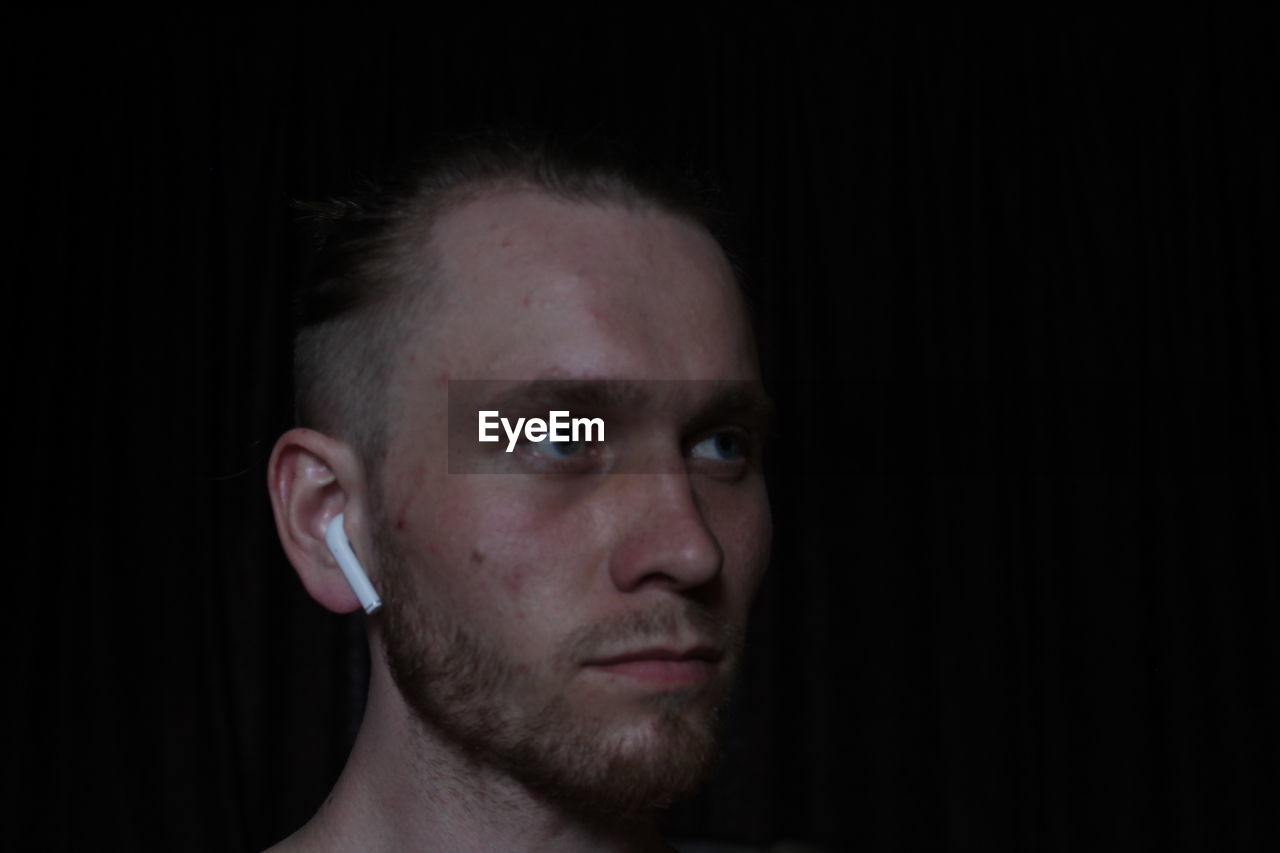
{"points": [[313, 479]]}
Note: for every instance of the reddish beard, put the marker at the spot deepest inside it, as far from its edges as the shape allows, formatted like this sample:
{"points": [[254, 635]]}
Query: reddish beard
{"points": [[530, 723]]}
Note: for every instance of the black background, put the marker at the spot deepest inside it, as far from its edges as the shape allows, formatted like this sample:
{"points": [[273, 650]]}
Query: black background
{"points": [[1016, 291]]}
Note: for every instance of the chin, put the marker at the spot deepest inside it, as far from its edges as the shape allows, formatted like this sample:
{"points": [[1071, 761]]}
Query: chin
{"points": [[609, 752], [628, 764]]}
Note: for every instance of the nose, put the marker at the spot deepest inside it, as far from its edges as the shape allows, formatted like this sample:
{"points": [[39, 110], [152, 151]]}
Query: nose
{"points": [[665, 540]]}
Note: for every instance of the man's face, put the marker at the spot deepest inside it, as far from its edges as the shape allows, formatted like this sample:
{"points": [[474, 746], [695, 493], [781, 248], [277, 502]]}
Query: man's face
{"points": [[571, 625]]}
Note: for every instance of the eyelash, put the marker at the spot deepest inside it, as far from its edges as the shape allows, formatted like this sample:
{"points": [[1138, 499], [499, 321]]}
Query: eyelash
{"points": [[730, 467], [584, 461], [587, 459], [739, 437]]}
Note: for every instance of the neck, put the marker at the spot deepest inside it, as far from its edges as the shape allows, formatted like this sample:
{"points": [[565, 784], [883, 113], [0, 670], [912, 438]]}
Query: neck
{"points": [[406, 788]]}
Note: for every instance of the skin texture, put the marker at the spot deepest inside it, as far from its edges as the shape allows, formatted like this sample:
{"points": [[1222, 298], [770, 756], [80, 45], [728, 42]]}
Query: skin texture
{"points": [[495, 720]]}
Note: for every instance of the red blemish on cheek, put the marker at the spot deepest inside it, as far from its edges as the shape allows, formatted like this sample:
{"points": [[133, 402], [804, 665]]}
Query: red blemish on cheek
{"points": [[402, 516], [443, 378], [477, 556], [527, 301]]}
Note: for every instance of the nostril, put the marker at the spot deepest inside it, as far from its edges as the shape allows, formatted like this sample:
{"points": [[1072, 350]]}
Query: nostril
{"points": [[670, 544]]}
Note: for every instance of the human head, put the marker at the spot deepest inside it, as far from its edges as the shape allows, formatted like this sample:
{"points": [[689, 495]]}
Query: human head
{"points": [[374, 266], [507, 598]]}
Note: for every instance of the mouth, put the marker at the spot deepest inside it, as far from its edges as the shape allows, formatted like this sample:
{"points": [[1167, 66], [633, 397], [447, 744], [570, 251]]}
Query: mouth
{"points": [[661, 666]]}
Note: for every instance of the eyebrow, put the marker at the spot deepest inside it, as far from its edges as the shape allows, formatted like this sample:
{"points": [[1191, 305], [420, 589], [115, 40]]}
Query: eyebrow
{"points": [[743, 399], [570, 393], [731, 398]]}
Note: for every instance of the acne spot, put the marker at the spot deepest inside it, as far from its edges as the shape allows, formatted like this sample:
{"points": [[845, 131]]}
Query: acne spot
{"points": [[477, 556], [402, 514], [527, 300], [443, 378]]}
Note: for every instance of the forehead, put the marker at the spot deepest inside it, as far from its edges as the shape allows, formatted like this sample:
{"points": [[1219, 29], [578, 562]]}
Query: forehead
{"points": [[530, 286]]}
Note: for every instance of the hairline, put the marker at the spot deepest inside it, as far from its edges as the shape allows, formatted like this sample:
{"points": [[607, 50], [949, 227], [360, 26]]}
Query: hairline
{"points": [[403, 308]]}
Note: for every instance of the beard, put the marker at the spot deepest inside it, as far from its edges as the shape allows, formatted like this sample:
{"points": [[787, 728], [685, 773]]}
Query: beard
{"points": [[602, 757]]}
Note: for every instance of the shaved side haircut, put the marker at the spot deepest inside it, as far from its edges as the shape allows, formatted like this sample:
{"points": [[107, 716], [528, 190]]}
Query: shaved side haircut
{"points": [[374, 267]]}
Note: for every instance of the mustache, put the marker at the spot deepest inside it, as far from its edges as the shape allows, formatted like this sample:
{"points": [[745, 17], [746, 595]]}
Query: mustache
{"points": [[647, 627]]}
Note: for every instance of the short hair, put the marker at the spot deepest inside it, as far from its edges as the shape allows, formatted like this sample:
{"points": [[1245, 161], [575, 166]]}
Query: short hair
{"points": [[370, 270]]}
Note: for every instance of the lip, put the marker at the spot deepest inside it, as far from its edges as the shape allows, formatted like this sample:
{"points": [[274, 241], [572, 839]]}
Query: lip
{"points": [[662, 666]]}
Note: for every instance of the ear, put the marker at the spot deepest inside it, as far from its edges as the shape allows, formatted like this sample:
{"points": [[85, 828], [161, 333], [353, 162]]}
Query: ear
{"points": [[312, 478]]}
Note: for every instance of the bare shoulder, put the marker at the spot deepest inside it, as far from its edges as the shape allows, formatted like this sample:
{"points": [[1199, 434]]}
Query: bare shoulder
{"points": [[287, 845], [305, 839], [721, 847]]}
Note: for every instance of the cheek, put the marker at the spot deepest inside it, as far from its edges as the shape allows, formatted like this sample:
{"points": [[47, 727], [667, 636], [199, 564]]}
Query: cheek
{"points": [[497, 552]]}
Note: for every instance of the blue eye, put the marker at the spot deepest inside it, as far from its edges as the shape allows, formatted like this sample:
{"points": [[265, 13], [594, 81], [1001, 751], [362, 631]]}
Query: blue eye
{"points": [[724, 446], [557, 449]]}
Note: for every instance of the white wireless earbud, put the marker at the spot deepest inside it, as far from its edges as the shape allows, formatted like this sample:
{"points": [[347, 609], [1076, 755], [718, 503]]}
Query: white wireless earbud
{"points": [[335, 536]]}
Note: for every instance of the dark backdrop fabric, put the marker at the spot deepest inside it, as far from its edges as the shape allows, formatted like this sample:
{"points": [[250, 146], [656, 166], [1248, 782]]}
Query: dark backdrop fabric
{"points": [[1015, 284]]}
